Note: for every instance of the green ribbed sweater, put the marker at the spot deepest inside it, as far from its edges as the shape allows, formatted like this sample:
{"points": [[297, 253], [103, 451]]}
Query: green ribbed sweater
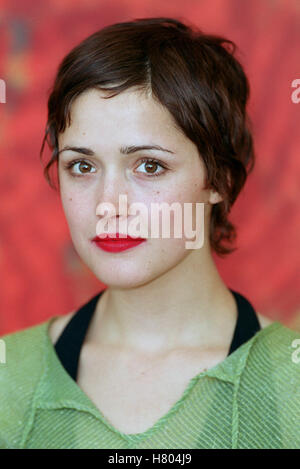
{"points": [[249, 400]]}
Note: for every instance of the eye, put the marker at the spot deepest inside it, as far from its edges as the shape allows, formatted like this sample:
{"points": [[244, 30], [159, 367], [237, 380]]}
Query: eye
{"points": [[151, 167], [83, 167]]}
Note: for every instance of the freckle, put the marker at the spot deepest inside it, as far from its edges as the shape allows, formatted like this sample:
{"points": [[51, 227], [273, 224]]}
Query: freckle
{"points": [[158, 192], [83, 133], [70, 199]]}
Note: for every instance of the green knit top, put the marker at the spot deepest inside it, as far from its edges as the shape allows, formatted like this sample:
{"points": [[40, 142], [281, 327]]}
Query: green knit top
{"points": [[249, 400]]}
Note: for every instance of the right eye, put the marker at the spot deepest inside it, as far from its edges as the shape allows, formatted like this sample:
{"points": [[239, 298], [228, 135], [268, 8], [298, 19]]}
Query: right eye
{"points": [[82, 164]]}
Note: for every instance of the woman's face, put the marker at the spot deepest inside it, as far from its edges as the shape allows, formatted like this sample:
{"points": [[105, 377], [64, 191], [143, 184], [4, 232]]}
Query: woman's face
{"points": [[104, 126]]}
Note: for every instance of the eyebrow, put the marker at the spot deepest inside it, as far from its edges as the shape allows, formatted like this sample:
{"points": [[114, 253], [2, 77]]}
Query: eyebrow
{"points": [[125, 150]]}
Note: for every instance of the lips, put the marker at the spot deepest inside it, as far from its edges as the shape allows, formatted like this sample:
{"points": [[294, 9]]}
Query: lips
{"points": [[113, 242], [114, 237]]}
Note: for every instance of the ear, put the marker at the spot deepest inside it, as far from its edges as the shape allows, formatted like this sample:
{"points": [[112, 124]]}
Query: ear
{"points": [[214, 197]]}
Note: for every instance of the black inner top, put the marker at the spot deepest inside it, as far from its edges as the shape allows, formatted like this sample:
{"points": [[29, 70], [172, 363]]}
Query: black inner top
{"points": [[70, 341]]}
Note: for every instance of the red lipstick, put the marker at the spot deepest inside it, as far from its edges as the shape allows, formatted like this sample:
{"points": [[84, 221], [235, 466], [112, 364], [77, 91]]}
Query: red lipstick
{"points": [[113, 243]]}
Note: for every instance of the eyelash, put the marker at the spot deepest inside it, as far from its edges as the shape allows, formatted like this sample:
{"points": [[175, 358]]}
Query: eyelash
{"points": [[69, 166]]}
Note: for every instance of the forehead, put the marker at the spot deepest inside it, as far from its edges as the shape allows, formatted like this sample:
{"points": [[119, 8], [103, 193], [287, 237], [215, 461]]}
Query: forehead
{"points": [[131, 113]]}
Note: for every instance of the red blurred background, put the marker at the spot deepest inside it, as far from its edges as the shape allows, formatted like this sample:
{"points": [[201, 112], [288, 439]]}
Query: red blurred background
{"points": [[41, 274]]}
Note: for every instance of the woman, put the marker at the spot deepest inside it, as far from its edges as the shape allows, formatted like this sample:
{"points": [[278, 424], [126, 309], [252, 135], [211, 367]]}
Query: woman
{"points": [[167, 356]]}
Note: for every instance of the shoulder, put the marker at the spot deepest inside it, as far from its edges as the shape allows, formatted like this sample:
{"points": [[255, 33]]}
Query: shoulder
{"points": [[22, 347], [20, 369], [23, 343], [275, 344], [272, 368], [268, 389]]}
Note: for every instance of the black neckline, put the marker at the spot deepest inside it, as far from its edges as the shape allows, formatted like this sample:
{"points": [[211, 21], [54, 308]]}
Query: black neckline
{"points": [[69, 343]]}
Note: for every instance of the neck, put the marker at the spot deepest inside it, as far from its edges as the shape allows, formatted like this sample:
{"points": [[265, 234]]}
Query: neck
{"points": [[188, 306]]}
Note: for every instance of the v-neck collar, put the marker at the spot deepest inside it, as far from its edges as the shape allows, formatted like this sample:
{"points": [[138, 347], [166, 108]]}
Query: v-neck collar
{"points": [[56, 389]]}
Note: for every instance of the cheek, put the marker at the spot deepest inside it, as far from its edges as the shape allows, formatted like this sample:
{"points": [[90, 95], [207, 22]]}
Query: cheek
{"points": [[193, 191], [192, 194], [76, 209]]}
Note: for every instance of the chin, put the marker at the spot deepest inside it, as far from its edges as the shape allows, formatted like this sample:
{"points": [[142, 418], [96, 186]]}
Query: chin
{"points": [[122, 280], [123, 271]]}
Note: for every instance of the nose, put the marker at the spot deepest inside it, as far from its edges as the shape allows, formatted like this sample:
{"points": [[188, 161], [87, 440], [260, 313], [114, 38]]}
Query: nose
{"points": [[112, 195]]}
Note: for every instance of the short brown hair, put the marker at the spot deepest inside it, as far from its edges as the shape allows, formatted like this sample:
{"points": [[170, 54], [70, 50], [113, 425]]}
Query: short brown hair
{"points": [[194, 75]]}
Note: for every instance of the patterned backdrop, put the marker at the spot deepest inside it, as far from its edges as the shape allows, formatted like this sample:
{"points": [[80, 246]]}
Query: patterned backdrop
{"points": [[41, 274]]}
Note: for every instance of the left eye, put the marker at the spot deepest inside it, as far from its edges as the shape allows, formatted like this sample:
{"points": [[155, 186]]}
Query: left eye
{"points": [[152, 165]]}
